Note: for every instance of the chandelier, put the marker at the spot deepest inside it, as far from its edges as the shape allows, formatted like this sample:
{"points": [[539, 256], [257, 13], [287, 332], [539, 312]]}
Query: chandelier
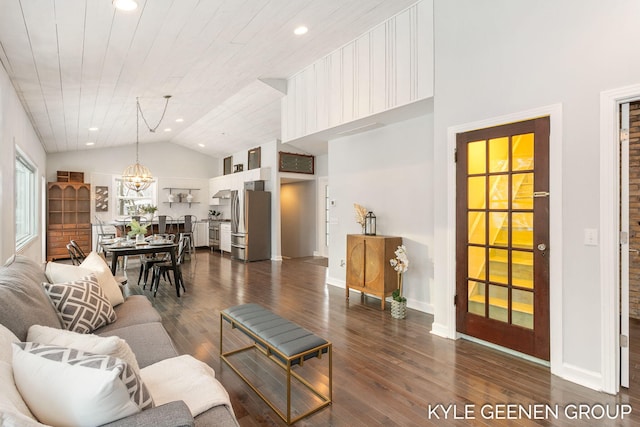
{"points": [[138, 177]]}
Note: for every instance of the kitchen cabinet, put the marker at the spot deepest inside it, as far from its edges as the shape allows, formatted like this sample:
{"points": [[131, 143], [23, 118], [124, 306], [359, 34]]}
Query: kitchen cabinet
{"points": [[68, 218], [225, 237], [368, 267], [201, 234], [235, 181]]}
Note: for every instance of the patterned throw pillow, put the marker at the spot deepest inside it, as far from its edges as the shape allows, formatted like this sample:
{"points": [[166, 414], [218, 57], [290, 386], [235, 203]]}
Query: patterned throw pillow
{"points": [[76, 388], [82, 304]]}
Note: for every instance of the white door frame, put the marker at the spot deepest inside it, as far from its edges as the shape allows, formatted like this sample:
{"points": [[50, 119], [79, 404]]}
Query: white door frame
{"points": [[321, 248], [555, 224], [610, 232]]}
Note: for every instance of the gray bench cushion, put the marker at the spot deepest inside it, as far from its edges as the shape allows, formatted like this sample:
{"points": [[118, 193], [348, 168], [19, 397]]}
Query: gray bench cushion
{"points": [[280, 333]]}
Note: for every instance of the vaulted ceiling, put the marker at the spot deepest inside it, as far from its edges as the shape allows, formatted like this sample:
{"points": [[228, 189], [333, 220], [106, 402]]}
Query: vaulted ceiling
{"points": [[80, 64]]}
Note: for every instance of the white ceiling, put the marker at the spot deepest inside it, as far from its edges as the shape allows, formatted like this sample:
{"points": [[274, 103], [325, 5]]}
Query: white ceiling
{"points": [[78, 64]]}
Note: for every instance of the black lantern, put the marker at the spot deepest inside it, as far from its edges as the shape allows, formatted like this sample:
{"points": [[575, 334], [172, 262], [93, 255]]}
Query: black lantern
{"points": [[370, 224]]}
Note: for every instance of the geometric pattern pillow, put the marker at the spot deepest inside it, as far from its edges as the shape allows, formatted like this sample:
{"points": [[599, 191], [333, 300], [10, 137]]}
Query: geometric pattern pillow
{"points": [[82, 304], [77, 388]]}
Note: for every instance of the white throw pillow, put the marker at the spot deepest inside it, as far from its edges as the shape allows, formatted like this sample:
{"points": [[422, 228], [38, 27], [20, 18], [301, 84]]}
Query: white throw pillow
{"points": [[109, 346], [82, 305], [188, 379], [74, 388], [59, 273]]}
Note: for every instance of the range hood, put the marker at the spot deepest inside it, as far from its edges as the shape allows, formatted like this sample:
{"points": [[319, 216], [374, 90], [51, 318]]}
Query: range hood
{"points": [[222, 194]]}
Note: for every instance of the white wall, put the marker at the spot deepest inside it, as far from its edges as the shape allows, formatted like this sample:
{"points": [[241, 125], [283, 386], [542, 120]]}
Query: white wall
{"points": [[388, 171], [171, 165], [503, 56], [16, 129]]}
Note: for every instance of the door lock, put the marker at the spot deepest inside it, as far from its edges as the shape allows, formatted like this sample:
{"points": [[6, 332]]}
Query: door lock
{"points": [[542, 247]]}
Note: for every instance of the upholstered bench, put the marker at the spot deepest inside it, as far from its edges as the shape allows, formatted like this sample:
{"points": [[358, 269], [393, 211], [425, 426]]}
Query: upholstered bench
{"points": [[283, 342]]}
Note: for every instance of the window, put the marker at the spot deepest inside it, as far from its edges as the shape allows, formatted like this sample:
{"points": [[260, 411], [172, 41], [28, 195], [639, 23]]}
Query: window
{"points": [[128, 202], [25, 197]]}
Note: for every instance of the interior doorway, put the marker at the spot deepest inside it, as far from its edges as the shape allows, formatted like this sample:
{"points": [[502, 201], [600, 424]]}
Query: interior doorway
{"points": [[629, 113], [298, 218]]}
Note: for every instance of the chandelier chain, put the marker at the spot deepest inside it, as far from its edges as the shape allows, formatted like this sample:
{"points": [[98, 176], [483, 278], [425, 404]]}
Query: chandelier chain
{"points": [[153, 129]]}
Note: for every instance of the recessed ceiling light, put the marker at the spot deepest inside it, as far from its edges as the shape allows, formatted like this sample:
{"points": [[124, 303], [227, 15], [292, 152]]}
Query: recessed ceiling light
{"points": [[300, 30], [126, 5], [180, 120], [167, 130], [201, 145], [93, 129], [89, 143]]}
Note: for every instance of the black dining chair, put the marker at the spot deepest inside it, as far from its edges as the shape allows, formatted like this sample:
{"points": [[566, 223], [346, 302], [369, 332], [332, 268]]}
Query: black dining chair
{"points": [[163, 268], [75, 256], [148, 261], [80, 253]]}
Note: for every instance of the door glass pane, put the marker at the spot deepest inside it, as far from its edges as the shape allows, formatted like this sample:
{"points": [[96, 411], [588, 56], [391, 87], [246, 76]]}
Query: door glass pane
{"points": [[499, 192], [476, 192], [522, 191], [498, 303], [476, 295], [499, 266], [477, 157], [499, 154], [522, 230], [522, 152], [477, 227], [522, 308], [476, 263], [522, 269], [498, 229]]}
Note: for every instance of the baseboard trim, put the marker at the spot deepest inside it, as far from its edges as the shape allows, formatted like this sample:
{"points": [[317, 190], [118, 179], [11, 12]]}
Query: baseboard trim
{"points": [[440, 330], [581, 376], [336, 282]]}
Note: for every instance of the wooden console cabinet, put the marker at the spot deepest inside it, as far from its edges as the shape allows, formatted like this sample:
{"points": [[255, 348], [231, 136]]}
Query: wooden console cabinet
{"points": [[68, 217], [368, 268]]}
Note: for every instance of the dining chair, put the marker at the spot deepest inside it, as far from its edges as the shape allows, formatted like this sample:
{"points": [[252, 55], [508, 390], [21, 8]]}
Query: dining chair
{"points": [[165, 224], [149, 260], [73, 254], [80, 253], [163, 268], [187, 231], [102, 235]]}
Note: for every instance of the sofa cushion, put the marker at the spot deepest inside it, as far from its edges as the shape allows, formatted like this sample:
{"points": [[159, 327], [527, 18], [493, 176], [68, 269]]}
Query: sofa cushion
{"points": [[76, 388], [59, 273], [82, 304], [150, 342], [90, 343], [97, 264], [24, 302], [136, 310]]}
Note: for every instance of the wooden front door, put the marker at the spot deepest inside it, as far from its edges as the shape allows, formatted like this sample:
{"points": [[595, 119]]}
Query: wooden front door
{"points": [[502, 253]]}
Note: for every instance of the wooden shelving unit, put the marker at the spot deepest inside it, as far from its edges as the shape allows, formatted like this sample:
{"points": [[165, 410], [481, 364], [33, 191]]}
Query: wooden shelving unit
{"points": [[68, 217]]}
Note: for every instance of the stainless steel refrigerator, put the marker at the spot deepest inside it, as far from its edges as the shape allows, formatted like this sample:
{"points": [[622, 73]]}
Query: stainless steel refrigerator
{"points": [[251, 225]]}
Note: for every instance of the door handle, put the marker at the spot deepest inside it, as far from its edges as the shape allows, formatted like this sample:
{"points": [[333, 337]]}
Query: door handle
{"points": [[635, 251], [542, 247]]}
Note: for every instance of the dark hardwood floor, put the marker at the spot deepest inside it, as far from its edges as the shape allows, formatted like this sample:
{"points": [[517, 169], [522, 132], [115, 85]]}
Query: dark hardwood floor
{"points": [[385, 371]]}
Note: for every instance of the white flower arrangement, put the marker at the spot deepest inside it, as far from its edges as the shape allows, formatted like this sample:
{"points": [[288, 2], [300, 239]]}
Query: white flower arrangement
{"points": [[400, 263]]}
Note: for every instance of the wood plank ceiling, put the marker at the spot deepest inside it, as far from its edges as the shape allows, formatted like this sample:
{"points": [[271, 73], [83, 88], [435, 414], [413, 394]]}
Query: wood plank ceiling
{"points": [[79, 64]]}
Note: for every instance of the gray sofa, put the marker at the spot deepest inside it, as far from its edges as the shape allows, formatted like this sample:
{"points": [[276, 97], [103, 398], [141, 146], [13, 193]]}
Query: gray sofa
{"points": [[23, 303]]}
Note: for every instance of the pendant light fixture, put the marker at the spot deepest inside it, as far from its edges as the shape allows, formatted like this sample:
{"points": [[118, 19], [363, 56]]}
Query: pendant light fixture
{"points": [[138, 177]]}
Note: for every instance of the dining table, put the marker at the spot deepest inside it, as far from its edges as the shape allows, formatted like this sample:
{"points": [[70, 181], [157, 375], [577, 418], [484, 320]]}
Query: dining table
{"points": [[120, 248]]}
